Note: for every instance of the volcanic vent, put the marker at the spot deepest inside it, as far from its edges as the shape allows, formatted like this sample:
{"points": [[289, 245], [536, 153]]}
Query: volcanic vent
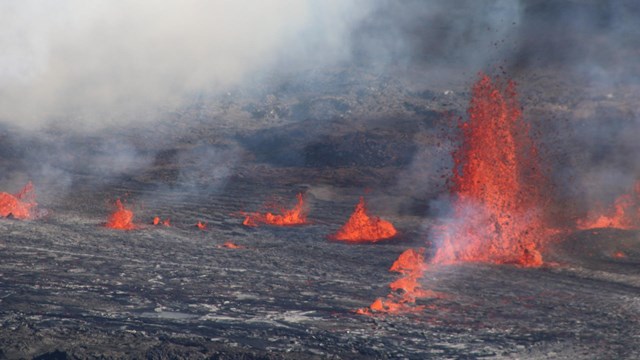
{"points": [[497, 185], [238, 139]]}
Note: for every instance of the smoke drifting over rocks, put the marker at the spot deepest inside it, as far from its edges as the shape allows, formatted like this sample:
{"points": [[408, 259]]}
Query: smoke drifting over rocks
{"points": [[154, 69], [97, 63]]}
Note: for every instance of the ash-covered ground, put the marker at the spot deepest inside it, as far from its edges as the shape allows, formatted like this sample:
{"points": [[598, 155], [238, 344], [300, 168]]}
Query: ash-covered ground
{"points": [[71, 288]]}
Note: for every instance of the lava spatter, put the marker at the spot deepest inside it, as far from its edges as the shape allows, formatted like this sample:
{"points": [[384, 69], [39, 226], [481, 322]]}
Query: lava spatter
{"points": [[287, 217], [497, 183], [625, 213], [406, 289], [19, 205], [498, 200], [361, 227], [158, 221], [121, 218]]}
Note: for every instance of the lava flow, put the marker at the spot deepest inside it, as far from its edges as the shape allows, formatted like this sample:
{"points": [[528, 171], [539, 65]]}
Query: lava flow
{"points": [[295, 216], [364, 228], [18, 206], [121, 219], [624, 215], [202, 226], [497, 181]]}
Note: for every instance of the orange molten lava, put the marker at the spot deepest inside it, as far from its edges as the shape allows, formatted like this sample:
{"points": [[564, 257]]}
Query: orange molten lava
{"points": [[406, 289], [201, 225], [295, 216], [497, 211], [121, 219], [624, 215], [158, 221], [619, 255], [364, 228], [230, 245], [18, 206], [498, 184]]}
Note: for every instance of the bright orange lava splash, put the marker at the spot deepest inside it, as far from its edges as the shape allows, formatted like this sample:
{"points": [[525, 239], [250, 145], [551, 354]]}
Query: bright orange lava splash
{"points": [[624, 215], [202, 226], [406, 289], [364, 228], [18, 206], [497, 181], [121, 219], [295, 216]]}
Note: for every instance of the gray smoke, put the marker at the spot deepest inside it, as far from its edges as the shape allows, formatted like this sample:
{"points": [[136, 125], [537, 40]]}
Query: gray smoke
{"points": [[96, 63], [91, 65]]}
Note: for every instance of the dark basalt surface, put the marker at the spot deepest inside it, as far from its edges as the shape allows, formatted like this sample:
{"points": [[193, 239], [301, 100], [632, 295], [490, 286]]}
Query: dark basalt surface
{"points": [[72, 289]]}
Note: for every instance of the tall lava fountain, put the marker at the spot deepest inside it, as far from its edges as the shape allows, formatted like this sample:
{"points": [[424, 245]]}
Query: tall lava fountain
{"points": [[497, 182]]}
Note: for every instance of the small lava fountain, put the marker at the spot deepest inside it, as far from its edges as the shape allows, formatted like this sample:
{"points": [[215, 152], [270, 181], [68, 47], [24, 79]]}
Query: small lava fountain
{"points": [[287, 217], [19, 205], [121, 218], [362, 227], [625, 213]]}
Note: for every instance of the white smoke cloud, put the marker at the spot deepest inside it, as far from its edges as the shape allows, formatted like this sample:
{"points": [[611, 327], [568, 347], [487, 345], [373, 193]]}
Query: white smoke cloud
{"points": [[98, 62]]}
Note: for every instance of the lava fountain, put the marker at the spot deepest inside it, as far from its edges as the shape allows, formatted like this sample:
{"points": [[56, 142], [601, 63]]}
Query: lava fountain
{"points": [[364, 228], [287, 217], [497, 182], [121, 218], [625, 213], [498, 204], [19, 205]]}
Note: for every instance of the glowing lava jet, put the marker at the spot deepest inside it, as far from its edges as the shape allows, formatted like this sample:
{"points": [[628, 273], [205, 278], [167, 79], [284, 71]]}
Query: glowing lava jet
{"points": [[624, 215], [497, 181], [498, 205], [364, 228], [295, 216], [121, 218], [20, 205]]}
